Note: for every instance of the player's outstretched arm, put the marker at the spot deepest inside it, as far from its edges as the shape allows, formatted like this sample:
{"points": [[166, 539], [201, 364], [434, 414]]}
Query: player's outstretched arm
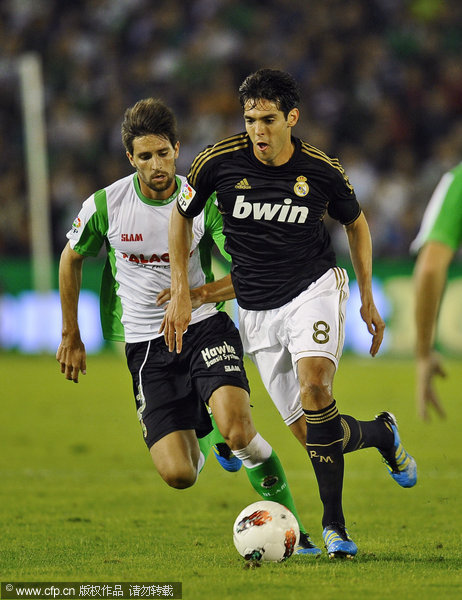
{"points": [[71, 352], [209, 293], [430, 274], [359, 240], [178, 314]]}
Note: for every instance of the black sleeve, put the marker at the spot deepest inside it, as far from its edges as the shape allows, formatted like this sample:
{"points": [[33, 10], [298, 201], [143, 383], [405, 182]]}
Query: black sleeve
{"points": [[343, 205]]}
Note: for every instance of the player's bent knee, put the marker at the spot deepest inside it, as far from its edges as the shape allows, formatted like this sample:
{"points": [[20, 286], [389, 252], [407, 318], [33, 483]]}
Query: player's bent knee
{"points": [[180, 479], [175, 457], [179, 474]]}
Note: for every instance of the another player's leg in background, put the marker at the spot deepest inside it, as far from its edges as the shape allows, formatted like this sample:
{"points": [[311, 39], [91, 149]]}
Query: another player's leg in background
{"points": [[231, 409]]}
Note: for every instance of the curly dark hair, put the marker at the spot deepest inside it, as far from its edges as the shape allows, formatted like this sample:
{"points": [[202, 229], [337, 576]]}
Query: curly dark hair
{"points": [[273, 85], [148, 117]]}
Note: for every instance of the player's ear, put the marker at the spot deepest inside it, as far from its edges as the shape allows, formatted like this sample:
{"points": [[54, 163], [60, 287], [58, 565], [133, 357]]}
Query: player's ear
{"points": [[292, 117], [177, 149], [130, 158]]}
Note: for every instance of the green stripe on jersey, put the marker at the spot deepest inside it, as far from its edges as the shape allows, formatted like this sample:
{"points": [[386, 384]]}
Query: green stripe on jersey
{"points": [[92, 237], [110, 303], [213, 226], [442, 220]]}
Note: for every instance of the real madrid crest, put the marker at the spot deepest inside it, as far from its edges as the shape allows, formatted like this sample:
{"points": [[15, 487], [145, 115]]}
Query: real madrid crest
{"points": [[301, 188]]}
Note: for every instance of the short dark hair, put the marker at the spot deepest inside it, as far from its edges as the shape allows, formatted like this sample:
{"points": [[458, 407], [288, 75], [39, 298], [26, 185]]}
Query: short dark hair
{"points": [[269, 84], [148, 117]]}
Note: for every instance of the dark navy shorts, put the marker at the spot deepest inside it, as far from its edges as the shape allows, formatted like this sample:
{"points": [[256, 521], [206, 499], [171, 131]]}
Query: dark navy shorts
{"points": [[171, 390]]}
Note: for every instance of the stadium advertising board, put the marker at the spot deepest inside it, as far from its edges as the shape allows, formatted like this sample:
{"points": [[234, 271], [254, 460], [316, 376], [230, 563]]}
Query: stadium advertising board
{"points": [[31, 322]]}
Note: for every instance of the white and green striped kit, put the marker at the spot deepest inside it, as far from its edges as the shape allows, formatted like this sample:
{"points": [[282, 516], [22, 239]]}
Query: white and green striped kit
{"points": [[134, 230], [442, 220]]}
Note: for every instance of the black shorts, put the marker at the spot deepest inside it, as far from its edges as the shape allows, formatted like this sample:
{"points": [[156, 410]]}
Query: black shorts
{"points": [[171, 390]]}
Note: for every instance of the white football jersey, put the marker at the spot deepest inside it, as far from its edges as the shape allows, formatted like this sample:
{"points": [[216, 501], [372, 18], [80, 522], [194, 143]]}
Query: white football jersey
{"points": [[135, 232]]}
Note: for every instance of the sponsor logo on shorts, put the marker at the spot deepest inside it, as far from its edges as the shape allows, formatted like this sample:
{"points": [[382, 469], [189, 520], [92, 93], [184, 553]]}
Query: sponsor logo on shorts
{"points": [[219, 353]]}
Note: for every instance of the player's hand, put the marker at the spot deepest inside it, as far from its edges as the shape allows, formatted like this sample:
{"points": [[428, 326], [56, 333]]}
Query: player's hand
{"points": [[163, 297], [375, 325], [429, 367], [72, 357], [176, 320], [197, 298]]}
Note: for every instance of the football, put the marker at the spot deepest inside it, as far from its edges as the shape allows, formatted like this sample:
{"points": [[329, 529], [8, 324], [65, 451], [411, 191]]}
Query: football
{"points": [[266, 531]]}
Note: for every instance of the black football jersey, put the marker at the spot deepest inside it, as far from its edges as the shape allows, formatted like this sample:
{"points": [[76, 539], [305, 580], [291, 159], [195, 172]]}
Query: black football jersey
{"points": [[273, 217]]}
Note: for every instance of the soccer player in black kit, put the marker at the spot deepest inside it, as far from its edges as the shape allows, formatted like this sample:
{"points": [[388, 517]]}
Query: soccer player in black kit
{"points": [[273, 191]]}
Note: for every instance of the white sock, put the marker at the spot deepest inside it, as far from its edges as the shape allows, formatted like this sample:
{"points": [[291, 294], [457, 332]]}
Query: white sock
{"points": [[200, 463], [255, 453]]}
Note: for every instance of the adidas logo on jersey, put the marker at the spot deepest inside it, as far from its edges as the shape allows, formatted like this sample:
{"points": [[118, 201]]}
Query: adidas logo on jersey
{"points": [[243, 185], [284, 213]]}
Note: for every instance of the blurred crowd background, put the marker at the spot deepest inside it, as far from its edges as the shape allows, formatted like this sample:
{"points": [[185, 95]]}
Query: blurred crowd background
{"points": [[381, 84]]}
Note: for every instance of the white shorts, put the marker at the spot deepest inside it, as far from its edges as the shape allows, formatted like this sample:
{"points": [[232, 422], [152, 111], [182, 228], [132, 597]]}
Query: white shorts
{"points": [[312, 324]]}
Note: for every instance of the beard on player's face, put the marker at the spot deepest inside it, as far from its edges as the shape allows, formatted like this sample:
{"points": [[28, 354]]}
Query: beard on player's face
{"points": [[160, 186], [163, 182]]}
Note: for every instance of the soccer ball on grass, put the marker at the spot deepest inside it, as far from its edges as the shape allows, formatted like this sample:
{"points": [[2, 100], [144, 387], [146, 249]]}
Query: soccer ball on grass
{"points": [[266, 531]]}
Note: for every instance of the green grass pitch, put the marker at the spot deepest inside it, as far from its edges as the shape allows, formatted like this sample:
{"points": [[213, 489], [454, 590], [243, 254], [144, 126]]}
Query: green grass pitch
{"points": [[80, 500]]}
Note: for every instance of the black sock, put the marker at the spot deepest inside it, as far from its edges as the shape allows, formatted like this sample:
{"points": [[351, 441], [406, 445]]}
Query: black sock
{"points": [[324, 440], [365, 434]]}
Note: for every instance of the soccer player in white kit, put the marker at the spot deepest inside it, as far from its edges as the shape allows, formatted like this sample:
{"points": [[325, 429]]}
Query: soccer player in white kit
{"points": [[172, 390], [438, 240]]}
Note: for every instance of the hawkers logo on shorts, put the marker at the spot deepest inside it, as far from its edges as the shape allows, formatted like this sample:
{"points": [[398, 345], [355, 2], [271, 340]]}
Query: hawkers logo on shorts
{"points": [[220, 353]]}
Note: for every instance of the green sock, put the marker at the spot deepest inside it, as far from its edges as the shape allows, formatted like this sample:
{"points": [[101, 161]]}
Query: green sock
{"points": [[270, 482], [212, 438]]}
